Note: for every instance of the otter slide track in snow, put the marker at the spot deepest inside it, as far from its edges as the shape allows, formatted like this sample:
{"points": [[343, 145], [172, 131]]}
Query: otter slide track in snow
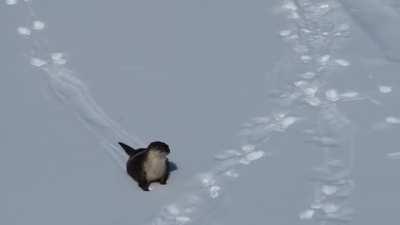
{"points": [[379, 21], [71, 91], [305, 95]]}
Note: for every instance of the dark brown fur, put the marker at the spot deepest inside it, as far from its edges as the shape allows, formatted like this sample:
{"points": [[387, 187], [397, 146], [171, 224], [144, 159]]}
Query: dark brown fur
{"points": [[137, 158]]}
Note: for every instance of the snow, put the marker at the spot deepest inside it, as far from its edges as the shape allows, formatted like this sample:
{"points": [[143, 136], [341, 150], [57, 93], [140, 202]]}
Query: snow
{"points": [[308, 75], [38, 25], [342, 62], [394, 155], [58, 58], [385, 89], [232, 173], [37, 62], [379, 24], [329, 189], [392, 120], [251, 157], [269, 107], [349, 94], [308, 214], [248, 148], [324, 59], [24, 31], [332, 95], [306, 58], [11, 2], [285, 33]]}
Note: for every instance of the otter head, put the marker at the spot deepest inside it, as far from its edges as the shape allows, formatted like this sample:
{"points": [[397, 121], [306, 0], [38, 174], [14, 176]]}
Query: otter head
{"points": [[159, 146]]}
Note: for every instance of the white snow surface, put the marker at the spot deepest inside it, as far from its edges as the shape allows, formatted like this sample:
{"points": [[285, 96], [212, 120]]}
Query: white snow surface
{"points": [[276, 112]]}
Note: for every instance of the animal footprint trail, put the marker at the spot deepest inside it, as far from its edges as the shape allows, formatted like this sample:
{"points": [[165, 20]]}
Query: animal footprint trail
{"points": [[71, 91], [333, 183], [206, 190], [317, 28], [333, 134]]}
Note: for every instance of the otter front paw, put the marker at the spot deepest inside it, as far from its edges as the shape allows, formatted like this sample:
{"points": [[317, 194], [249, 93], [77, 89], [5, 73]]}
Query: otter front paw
{"points": [[144, 187]]}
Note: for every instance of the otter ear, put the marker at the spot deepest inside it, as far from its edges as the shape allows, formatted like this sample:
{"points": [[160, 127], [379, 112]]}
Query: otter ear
{"points": [[128, 149]]}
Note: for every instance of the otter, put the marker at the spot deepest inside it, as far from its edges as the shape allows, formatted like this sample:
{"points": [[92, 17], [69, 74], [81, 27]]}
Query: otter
{"points": [[148, 165]]}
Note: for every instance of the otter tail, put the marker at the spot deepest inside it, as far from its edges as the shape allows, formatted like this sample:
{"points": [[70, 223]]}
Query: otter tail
{"points": [[128, 149]]}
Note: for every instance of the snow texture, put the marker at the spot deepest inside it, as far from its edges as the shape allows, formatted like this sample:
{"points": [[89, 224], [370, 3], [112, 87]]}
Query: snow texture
{"points": [[309, 135]]}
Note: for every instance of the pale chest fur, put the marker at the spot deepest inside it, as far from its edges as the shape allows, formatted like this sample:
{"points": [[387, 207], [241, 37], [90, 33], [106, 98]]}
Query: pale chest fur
{"points": [[155, 165]]}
